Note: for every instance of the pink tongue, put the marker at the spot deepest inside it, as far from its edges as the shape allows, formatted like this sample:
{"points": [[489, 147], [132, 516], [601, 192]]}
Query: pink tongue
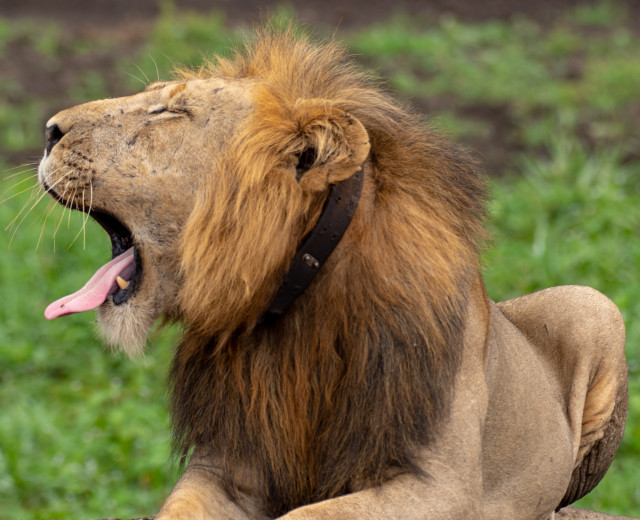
{"points": [[95, 291]]}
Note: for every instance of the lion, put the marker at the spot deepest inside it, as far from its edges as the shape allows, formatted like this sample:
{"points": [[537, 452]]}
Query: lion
{"points": [[320, 246]]}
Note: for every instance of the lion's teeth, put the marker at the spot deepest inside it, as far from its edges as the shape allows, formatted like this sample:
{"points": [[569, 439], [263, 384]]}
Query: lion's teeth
{"points": [[122, 283]]}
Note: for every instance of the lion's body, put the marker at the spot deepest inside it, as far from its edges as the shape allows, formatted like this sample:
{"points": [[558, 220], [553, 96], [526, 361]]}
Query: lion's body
{"points": [[393, 387]]}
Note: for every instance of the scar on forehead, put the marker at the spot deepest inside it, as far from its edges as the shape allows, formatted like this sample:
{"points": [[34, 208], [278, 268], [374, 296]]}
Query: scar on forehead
{"points": [[177, 89]]}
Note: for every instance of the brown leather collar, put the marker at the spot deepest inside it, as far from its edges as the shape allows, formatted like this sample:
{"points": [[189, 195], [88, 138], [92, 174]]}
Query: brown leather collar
{"points": [[316, 247]]}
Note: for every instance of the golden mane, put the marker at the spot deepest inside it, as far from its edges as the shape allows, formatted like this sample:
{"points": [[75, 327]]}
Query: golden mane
{"points": [[346, 387]]}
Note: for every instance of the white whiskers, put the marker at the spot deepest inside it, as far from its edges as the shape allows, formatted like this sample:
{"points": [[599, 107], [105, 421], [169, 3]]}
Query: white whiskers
{"points": [[66, 204]]}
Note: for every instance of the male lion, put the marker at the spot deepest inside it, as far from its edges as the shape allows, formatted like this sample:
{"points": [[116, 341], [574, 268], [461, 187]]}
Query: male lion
{"points": [[341, 358]]}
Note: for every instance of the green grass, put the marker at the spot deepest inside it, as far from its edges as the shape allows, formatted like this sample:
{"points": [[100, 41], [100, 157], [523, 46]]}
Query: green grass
{"points": [[536, 74], [184, 41], [84, 433], [20, 125]]}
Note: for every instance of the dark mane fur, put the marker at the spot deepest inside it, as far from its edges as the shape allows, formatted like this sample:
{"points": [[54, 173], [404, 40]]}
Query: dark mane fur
{"points": [[345, 389]]}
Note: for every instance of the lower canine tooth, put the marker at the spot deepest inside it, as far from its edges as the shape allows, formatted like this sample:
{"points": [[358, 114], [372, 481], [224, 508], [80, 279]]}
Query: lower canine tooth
{"points": [[122, 283]]}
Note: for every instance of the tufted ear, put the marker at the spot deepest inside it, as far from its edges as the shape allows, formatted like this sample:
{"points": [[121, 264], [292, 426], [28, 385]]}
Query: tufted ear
{"points": [[331, 144]]}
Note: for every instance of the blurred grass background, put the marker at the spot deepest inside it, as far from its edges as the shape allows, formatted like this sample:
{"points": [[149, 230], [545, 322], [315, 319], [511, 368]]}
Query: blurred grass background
{"points": [[552, 110]]}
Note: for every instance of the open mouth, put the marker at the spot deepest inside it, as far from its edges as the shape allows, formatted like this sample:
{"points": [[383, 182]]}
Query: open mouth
{"points": [[121, 241], [118, 279]]}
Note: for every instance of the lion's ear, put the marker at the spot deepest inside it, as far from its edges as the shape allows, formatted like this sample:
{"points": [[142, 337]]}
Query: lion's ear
{"points": [[332, 146]]}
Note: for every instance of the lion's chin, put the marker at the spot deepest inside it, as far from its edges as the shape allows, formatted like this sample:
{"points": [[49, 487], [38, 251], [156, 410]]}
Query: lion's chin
{"points": [[125, 327]]}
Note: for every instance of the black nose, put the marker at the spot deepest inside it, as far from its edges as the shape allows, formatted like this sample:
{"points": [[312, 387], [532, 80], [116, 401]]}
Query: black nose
{"points": [[53, 135]]}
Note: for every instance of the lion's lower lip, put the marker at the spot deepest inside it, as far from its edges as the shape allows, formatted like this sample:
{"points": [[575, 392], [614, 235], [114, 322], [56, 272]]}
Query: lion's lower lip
{"points": [[133, 277]]}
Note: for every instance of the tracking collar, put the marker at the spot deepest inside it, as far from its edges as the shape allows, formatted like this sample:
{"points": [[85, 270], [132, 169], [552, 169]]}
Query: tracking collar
{"points": [[318, 245]]}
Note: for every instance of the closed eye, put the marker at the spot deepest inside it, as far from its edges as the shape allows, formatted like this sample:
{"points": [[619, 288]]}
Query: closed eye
{"points": [[157, 110], [177, 110]]}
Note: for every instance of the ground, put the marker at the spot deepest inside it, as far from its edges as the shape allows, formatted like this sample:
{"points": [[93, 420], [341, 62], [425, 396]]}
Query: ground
{"points": [[103, 13]]}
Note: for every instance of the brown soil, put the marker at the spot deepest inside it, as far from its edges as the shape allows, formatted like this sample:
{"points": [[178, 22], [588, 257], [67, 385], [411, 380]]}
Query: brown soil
{"points": [[333, 13]]}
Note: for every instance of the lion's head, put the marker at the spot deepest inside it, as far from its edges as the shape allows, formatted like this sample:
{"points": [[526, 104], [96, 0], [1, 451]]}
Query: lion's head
{"points": [[138, 166], [207, 185]]}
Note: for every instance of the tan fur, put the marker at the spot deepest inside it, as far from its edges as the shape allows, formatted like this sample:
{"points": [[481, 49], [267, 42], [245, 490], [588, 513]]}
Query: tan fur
{"points": [[393, 387]]}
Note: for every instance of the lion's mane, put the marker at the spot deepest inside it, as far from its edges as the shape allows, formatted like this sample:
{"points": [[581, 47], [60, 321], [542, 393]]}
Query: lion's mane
{"points": [[344, 389]]}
